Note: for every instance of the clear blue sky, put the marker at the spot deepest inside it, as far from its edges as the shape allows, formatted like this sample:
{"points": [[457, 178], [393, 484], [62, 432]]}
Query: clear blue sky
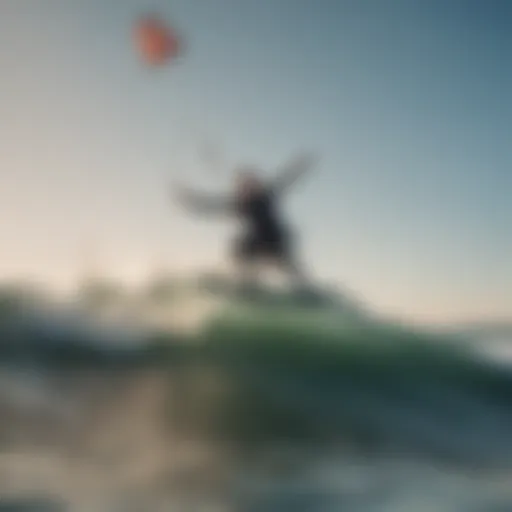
{"points": [[408, 103]]}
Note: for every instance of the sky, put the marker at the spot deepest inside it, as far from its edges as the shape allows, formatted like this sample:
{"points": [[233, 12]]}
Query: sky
{"points": [[407, 103]]}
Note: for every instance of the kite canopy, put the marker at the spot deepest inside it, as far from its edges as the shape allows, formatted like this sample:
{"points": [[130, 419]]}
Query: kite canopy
{"points": [[156, 42]]}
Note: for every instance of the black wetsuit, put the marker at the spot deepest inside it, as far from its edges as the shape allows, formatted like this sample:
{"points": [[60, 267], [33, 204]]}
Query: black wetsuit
{"points": [[265, 235]]}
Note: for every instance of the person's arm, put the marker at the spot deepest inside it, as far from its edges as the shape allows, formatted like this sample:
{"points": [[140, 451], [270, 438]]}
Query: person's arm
{"points": [[201, 203], [292, 172]]}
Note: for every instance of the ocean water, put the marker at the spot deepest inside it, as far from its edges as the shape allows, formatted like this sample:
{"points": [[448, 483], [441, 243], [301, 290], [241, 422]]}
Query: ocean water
{"points": [[250, 408]]}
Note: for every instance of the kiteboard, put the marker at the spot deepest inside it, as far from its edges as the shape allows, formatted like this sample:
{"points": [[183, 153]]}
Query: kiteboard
{"points": [[261, 294]]}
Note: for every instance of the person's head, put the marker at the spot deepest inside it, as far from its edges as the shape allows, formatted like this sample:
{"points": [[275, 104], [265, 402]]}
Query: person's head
{"points": [[247, 182]]}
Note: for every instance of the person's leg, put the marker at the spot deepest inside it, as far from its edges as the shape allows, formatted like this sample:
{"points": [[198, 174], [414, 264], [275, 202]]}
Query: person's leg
{"points": [[287, 260], [244, 261]]}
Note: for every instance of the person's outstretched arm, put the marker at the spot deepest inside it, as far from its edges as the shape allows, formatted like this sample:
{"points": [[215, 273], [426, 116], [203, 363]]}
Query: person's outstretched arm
{"points": [[203, 204], [292, 172]]}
